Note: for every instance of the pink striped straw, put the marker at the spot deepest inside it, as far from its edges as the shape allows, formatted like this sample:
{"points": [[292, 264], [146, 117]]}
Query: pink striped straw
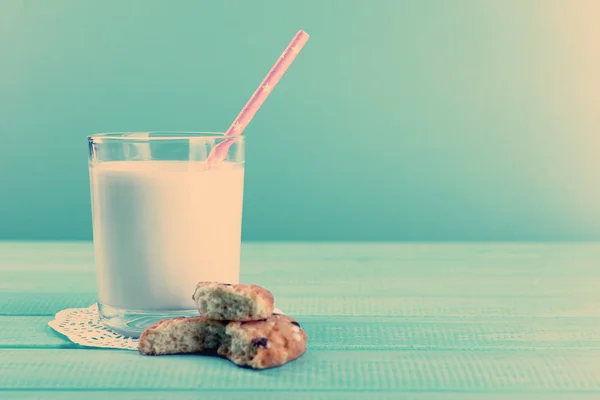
{"points": [[219, 152]]}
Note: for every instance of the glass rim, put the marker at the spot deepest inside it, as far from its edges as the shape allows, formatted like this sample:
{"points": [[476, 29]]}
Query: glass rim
{"points": [[161, 135]]}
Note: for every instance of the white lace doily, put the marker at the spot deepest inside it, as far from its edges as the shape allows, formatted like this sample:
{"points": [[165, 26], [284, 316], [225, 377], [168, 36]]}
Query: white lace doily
{"points": [[83, 327]]}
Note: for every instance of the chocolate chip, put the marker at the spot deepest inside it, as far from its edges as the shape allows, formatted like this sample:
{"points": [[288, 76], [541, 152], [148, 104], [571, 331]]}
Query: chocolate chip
{"points": [[262, 342], [297, 324]]}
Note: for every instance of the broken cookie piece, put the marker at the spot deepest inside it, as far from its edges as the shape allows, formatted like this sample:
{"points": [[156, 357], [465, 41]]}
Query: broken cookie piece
{"points": [[182, 335], [264, 344], [268, 343], [223, 301]]}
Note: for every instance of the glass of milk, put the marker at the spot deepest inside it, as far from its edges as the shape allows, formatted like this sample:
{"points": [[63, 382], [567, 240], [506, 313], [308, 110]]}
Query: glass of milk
{"points": [[162, 222]]}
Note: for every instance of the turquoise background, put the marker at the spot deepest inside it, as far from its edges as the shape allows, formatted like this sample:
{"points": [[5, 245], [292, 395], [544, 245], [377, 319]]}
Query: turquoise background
{"points": [[401, 120]]}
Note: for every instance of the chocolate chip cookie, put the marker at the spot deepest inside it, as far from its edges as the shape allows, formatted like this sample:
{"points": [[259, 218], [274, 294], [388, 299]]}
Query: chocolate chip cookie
{"points": [[264, 344], [267, 343]]}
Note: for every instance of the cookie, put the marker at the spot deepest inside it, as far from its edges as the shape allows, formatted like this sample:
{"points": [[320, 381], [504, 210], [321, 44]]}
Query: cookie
{"points": [[268, 343], [223, 301], [182, 335], [264, 344]]}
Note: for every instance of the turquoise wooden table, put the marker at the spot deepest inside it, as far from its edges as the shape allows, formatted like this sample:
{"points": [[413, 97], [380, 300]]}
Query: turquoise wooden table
{"points": [[411, 321]]}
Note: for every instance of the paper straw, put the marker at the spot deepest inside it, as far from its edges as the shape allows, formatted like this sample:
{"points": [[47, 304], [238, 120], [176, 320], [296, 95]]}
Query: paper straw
{"points": [[219, 152]]}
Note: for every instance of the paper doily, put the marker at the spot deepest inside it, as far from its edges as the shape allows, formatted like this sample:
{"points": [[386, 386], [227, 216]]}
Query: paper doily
{"points": [[83, 327]]}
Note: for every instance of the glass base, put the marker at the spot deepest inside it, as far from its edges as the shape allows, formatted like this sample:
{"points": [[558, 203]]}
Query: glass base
{"points": [[133, 322]]}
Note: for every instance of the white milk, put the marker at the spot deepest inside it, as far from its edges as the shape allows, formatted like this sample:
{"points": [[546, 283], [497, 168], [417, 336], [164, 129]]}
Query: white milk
{"points": [[162, 226]]}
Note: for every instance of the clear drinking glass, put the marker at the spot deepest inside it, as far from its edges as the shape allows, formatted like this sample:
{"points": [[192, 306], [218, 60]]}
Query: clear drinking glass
{"points": [[162, 222]]}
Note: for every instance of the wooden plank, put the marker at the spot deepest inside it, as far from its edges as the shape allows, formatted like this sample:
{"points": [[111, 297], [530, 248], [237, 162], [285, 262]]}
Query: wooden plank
{"points": [[47, 281], [495, 277], [14, 304], [378, 302], [34, 332], [33, 256], [343, 279], [316, 266], [278, 395], [323, 251], [348, 279], [388, 333], [79, 255], [387, 371]]}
